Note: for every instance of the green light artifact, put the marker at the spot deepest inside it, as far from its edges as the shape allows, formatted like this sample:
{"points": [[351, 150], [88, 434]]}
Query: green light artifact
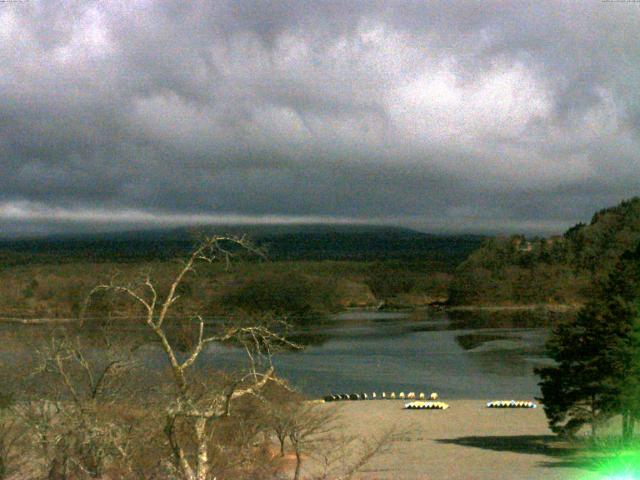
{"points": [[620, 465]]}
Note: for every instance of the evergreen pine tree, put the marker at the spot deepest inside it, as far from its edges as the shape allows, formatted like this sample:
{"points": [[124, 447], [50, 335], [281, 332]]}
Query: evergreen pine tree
{"points": [[597, 371], [624, 293]]}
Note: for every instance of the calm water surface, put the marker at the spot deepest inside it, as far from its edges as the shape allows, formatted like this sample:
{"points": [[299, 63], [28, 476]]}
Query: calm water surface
{"points": [[376, 351]]}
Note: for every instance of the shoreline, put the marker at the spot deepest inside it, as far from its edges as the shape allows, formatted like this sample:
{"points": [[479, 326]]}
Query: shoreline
{"points": [[542, 307], [555, 308], [548, 307]]}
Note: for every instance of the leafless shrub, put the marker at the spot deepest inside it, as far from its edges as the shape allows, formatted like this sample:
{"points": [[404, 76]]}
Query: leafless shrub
{"points": [[74, 430], [11, 432]]}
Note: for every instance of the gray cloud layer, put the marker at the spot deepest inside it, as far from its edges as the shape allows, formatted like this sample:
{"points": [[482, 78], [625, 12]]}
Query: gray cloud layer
{"points": [[447, 116]]}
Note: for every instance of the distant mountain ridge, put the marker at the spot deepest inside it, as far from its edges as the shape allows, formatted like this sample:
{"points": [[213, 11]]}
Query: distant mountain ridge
{"points": [[282, 242]]}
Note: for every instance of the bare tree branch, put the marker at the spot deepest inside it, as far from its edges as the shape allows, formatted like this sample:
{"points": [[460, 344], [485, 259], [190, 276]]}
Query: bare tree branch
{"points": [[258, 340]]}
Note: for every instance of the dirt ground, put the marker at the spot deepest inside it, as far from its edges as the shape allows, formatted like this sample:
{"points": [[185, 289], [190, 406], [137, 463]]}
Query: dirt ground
{"points": [[467, 441]]}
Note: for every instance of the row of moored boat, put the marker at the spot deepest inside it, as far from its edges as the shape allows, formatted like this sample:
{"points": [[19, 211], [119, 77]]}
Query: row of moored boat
{"points": [[511, 404], [382, 396], [420, 401], [426, 405]]}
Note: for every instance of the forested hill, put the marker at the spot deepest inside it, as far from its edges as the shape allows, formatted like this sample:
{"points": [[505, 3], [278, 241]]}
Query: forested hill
{"points": [[561, 269]]}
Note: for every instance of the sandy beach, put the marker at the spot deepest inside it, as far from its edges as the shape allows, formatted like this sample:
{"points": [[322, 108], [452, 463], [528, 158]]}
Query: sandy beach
{"points": [[467, 441]]}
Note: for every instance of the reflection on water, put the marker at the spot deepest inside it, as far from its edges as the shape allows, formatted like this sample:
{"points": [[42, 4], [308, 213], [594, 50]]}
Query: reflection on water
{"points": [[368, 315], [504, 318], [470, 341], [461, 355]]}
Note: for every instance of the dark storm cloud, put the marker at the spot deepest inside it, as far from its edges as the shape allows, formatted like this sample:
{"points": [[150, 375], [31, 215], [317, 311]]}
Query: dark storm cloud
{"points": [[450, 116]]}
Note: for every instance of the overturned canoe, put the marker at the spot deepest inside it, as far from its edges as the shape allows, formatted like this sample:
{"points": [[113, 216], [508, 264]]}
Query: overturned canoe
{"points": [[511, 404], [426, 405]]}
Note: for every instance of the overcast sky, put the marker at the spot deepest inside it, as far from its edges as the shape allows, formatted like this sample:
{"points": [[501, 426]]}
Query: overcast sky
{"points": [[446, 116]]}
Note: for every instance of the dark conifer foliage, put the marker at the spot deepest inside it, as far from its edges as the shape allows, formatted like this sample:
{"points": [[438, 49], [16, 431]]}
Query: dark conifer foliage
{"points": [[598, 357]]}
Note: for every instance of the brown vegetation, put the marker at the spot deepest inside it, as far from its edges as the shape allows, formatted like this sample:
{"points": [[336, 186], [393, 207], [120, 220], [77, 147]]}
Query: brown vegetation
{"points": [[58, 291], [89, 405]]}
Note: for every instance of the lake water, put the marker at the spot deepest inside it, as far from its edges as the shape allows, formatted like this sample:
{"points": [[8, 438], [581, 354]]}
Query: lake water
{"points": [[459, 355], [467, 356]]}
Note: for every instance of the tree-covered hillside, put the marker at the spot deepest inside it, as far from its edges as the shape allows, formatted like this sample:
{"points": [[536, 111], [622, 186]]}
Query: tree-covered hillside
{"points": [[561, 269]]}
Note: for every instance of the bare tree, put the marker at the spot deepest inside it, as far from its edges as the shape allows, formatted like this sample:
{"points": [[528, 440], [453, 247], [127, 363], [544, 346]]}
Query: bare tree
{"points": [[308, 427], [194, 408], [280, 413], [314, 433], [281, 422], [341, 457]]}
